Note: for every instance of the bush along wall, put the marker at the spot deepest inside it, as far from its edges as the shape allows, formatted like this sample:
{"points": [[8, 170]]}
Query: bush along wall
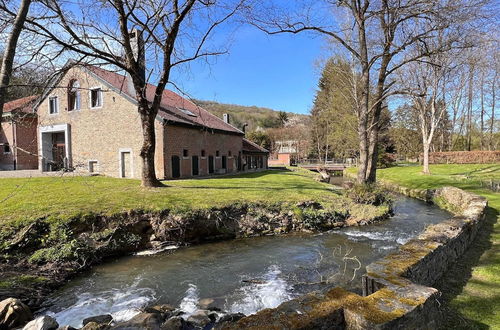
{"points": [[464, 157], [397, 290], [55, 250]]}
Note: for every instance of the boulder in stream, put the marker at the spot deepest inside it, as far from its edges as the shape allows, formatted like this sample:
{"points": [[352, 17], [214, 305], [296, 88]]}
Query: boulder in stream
{"points": [[13, 313], [106, 318], [174, 323], [150, 321], [42, 323], [202, 317]]}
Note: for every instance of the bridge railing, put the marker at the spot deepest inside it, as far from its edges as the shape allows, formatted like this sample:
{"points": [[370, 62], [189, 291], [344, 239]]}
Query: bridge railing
{"points": [[347, 162]]}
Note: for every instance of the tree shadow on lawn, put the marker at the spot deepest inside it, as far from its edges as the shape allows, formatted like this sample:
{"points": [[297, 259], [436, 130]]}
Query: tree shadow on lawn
{"points": [[457, 276]]}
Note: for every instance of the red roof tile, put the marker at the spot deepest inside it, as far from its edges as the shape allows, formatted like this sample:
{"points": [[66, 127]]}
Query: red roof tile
{"points": [[249, 146], [174, 107], [23, 104]]}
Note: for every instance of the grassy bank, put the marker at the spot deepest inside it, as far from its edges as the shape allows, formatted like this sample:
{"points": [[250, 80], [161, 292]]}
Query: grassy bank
{"points": [[473, 285], [53, 227], [25, 199]]}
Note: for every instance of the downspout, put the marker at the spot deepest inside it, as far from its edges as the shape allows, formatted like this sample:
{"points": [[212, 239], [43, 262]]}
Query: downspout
{"points": [[14, 143]]}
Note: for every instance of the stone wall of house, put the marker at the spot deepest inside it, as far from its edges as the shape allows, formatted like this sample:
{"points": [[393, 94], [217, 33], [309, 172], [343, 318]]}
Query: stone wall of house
{"points": [[195, 141], [397, 289], [97, 134]]}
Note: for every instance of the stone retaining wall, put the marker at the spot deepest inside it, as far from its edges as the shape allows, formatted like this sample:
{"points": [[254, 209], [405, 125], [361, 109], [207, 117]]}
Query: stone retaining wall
{"points": [[397, 292]]}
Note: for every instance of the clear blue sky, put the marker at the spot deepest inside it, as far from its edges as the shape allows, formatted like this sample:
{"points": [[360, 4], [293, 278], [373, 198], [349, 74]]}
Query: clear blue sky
{"points": [[277, 71]]}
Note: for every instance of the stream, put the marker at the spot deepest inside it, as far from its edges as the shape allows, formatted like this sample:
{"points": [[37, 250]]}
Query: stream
{"points": [[241, 275]]}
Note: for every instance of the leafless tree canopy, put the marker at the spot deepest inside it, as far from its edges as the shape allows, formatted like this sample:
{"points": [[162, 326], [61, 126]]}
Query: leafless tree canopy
{"points": [[99, 32], [381, 38]]}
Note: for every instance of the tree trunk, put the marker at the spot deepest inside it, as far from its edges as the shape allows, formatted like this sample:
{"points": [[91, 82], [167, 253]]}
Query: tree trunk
{"points": [[426, 169], [492, 120], [10, 51], [371, 175], [482, 111], [469, 108], [148, 178]]}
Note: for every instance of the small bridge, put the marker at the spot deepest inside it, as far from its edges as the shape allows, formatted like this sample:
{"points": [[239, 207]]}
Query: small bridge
{"points": [[335, 165], [325, 167]]}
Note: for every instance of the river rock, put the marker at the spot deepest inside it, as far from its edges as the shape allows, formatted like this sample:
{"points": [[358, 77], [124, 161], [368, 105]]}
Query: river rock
{"points": [[95, 326], [234, 317], [174, 323], [66, 327], [151, 321], [202, 317], [165, 311], [13, 313], [106, 318], [42, 323]]}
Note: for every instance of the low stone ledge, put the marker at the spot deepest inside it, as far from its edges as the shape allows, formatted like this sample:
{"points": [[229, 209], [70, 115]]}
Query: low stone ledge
{"points": [[397, 292]]}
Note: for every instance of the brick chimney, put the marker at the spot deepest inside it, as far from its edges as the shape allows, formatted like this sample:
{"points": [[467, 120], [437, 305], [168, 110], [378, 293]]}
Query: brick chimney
{"points": [[225, 117], [137, 44]]}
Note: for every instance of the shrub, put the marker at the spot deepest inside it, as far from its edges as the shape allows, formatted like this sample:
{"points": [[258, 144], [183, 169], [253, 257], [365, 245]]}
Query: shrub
{"points": [[464, 157], [74, 250], [368, 194]]}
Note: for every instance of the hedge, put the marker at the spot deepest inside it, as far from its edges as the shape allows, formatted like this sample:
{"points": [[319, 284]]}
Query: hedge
{"points": [[464, 157]]}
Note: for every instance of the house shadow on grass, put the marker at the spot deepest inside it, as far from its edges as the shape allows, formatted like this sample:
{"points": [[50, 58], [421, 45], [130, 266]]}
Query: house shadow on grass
{"points": [[480, 253]]}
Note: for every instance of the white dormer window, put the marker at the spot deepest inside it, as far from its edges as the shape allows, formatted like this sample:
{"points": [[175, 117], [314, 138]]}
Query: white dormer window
{"points": [[187, 112], [53, 105], [96, 97]]}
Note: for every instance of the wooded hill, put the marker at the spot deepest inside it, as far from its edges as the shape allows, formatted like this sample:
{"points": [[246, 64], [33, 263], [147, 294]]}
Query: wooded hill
{"points": [[252, 115]]}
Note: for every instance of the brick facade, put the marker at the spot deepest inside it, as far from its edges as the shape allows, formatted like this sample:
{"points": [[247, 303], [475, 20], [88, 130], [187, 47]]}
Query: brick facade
{"points": [[196, 140], [100, 135], [107, 139], [18, 142]]}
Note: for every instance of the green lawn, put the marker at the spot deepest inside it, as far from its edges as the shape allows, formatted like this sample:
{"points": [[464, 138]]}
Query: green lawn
{"points": [[23, 200], [473, 285]]}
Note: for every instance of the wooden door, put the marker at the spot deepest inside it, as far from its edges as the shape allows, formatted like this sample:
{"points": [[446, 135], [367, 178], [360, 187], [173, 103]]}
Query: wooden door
{"points": [[210, 164], [126, 165], [195, 165], [176, 167]]}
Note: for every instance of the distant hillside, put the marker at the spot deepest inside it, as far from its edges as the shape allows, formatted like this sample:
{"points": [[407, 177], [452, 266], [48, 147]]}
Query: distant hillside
{"points": [[253, 116]]}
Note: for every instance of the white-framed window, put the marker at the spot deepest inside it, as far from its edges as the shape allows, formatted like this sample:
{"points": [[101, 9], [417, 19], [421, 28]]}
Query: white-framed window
{"points": [[6, 149], [95, 97], [53, 105], [74, 102], [93, 166]]}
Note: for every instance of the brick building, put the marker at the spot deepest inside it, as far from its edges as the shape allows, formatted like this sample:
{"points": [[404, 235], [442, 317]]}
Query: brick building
{"points": [[88, 122], [18, 139]]}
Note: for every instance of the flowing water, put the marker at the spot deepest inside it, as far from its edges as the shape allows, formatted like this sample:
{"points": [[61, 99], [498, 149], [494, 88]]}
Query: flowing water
{"points": [[242, 275]]}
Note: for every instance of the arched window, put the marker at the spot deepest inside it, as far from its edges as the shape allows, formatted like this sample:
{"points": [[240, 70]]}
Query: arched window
{"points": [[74, 95]]}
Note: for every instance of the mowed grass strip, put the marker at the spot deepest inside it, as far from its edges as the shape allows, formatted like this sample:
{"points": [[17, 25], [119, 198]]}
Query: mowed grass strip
{"points": [[473, 285], [25, 199]]}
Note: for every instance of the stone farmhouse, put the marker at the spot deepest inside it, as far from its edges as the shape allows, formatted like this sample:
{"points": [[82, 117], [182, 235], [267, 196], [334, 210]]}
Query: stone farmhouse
{"points": [[88, 122], [18, 138]]}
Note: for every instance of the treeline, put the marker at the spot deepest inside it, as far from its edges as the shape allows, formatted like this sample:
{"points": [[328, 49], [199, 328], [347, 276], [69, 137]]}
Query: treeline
{"points": [[256, 118]]}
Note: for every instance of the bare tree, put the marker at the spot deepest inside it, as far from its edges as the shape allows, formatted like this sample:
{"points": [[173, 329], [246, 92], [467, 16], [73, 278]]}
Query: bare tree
{"points": [[110, 32], [379, 37], [426, 86], [10, 51]]}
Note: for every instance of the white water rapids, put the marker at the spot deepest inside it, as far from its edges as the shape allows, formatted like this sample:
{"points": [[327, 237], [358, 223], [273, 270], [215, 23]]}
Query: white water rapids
{"points": [[125, 304]]}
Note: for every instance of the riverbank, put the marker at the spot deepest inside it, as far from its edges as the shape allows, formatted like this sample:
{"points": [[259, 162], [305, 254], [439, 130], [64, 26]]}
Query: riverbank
{"points": [[54, 228], [472, 285]]}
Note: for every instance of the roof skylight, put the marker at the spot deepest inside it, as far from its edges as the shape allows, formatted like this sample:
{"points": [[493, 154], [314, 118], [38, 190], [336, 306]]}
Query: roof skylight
{"points": [[187, 112]]}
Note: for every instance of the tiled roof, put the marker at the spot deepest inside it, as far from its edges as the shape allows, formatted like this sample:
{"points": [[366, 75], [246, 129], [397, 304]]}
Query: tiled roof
{"points": [[24, 104], [174, 107], [249, 146]]}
